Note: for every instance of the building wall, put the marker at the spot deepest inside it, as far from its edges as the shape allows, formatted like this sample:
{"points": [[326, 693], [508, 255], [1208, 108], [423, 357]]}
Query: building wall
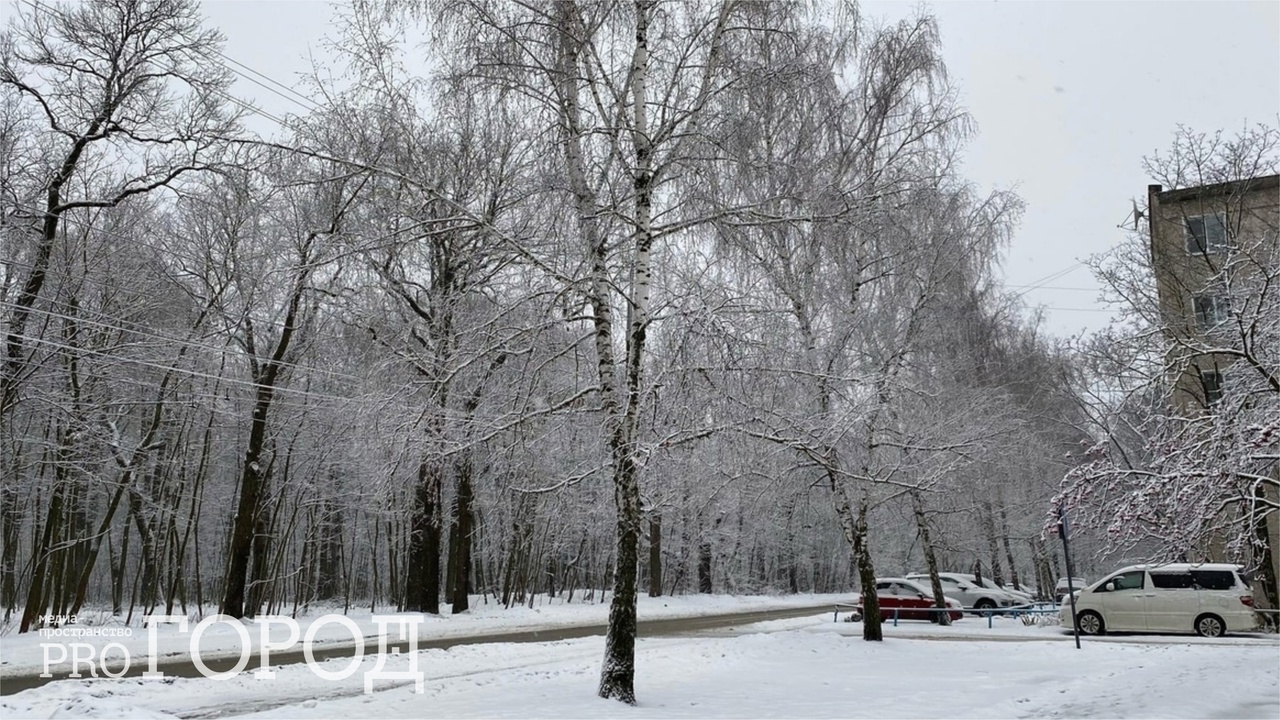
{"points": [[1252, 212]]}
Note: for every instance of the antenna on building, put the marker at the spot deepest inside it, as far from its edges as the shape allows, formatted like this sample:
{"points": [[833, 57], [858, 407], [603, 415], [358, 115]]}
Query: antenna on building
{"points": [[1137, 215]]}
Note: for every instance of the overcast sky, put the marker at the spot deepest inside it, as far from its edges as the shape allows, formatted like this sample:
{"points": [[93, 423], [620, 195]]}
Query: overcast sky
{"points": [[1068, 98]]}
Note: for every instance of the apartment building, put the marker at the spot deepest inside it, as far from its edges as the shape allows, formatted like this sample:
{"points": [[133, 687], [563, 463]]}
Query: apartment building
{"points": [[1211, 246], [1198, 280]]}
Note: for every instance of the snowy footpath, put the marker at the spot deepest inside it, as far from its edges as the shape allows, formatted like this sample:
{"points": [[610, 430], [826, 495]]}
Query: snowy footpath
{"points": [[805, 667]]}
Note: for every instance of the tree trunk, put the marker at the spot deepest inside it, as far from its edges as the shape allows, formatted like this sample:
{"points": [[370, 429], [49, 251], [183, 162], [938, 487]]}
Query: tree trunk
{"points": [[329, 553], [119, 570], [250, 510], [993, 546], [1044, 575], [1008, 549], [930, 560], [704, 566], [460, 543], [871, 621], [655, 554], [38, 589], [617, 676], [422, 584], [1266, 563], [147, 550], [10, 530]]}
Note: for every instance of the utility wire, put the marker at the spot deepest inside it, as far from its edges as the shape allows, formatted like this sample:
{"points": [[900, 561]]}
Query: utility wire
{"points": [[1042, 282]]}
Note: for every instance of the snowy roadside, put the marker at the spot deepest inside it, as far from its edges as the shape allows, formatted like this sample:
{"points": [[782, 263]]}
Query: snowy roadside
{"points": [[25, 654], [808, 667]]}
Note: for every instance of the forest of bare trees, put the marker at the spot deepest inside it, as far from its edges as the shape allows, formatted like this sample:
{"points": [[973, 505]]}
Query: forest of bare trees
{"points": [[574, 299]]}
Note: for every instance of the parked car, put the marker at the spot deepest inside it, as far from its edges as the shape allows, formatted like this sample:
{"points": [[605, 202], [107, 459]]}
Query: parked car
{"points": [[1208, 599], [1061, 589], [1021, 598], [972, 596], [911, 600]]}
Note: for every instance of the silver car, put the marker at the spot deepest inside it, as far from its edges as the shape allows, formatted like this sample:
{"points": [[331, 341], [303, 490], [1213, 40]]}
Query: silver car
{"points": [[973, 596]]}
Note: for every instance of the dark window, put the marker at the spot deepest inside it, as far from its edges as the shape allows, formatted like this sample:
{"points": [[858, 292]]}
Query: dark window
{"points": [[1206, 234], [1211, 380], [1214, 579], [1211, 310], [1172, 581], [1132, 580]]}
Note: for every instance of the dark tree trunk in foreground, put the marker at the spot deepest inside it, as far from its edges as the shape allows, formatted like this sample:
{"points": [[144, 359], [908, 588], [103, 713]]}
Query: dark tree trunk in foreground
{"points": [[617, 675], [871, 620]]}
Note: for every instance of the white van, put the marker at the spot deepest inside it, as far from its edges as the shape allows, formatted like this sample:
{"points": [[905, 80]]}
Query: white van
{"points": [[1209, 599]]}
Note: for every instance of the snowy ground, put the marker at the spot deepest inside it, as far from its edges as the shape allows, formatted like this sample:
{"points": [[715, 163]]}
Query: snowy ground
{"points": [[23, 654], [808, 667]]}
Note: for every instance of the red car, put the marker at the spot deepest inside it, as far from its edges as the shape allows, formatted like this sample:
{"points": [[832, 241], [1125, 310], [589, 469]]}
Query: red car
{"points": [[910, 600]]}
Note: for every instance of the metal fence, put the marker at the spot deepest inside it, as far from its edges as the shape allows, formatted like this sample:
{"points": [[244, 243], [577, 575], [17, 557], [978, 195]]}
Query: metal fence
{"points": [[1023, 611], [894, 614]]}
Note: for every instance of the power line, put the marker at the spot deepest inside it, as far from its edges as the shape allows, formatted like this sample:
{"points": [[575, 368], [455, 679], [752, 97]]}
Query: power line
{"points": [[1050, 278], [37, 5], [303, 100], [1052, 287], [293, 96]]}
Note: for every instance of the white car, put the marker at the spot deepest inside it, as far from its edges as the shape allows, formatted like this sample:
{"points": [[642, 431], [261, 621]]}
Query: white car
{"points": [[1060, 590], [1209, 599], [1022, 598], [962, 588]]}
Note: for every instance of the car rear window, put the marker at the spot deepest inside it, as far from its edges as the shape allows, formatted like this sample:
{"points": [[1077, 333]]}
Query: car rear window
{"points": [[1173, 580], [1214, 579]]}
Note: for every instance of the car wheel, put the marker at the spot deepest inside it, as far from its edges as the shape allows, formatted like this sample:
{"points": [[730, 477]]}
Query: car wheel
{"points": [[1210, 626], [1090, 623], [985, 604]]}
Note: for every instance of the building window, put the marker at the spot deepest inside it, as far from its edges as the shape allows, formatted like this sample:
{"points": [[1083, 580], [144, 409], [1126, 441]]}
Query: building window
{"points": [[1212, 310], [1211, 381], [1206, 234]]}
